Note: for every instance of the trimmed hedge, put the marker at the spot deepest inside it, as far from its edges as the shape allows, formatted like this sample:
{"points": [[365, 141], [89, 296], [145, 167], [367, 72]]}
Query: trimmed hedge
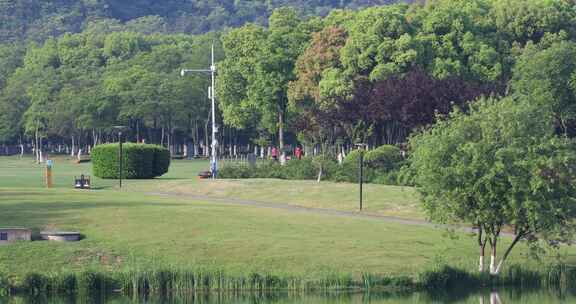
{"points": [[139, 161]]}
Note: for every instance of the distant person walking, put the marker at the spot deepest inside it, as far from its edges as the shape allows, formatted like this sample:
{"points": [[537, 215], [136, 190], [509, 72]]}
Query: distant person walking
{"points": [[298, 152], [274, 153]]}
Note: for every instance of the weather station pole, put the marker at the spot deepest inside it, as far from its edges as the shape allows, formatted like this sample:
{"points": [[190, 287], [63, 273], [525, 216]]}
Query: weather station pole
{"points": [[211, 95]]}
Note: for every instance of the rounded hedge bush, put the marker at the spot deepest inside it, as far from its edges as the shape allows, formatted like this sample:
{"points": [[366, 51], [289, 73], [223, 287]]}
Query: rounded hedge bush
{"points": [[384, 158], [139, 161]]}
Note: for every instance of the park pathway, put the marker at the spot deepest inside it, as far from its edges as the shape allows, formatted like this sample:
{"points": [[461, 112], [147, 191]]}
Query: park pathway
{"points": [[295, 208]]}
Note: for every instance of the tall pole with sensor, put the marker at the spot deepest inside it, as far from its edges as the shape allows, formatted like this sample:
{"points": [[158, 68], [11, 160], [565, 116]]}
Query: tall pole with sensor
{"points": [[211, 95]]}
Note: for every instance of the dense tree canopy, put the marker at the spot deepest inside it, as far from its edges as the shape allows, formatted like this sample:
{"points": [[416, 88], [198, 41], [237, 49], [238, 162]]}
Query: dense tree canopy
{"points": [[40, 19], [373, 75]]}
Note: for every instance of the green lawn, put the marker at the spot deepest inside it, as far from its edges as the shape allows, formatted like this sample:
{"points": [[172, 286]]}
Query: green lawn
{"points": [[131, 227], [378, 199]]}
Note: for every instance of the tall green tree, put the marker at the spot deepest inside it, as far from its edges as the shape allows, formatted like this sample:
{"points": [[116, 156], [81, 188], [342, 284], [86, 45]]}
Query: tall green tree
{"points": [[547, 73], [498, 166], [259, 67]]}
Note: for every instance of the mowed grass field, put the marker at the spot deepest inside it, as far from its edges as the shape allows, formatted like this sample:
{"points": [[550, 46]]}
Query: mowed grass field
{"points": [[136, 227]]}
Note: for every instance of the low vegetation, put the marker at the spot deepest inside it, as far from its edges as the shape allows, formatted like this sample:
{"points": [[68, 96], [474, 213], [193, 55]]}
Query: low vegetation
{"points": [[381, 166]]}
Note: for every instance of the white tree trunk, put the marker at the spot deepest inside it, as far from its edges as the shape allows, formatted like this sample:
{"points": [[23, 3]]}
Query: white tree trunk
{"points": [[493, 264], [481, 264], [36, 148], [281, 137], [73, 151], [21, 150]]}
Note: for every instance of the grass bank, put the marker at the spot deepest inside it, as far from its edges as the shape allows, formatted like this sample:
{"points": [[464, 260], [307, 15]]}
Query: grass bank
{"points": [[378, 199], [163, 281], [131, 236]]}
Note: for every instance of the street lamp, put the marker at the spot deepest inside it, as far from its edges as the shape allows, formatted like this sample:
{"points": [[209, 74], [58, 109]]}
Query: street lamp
{"points": [[211, 95], [120, 158], [361, 148]]}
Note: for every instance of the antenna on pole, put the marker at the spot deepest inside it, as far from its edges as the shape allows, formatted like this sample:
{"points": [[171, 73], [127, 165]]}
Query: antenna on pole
{"points": [[211, 96]]}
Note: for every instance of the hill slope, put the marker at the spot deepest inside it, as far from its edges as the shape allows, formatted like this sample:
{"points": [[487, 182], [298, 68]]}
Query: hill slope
{"points": [[38, 19]]}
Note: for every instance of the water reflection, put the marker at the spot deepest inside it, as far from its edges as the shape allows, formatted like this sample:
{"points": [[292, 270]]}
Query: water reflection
{"points": [[485, 297], [494, 298]]}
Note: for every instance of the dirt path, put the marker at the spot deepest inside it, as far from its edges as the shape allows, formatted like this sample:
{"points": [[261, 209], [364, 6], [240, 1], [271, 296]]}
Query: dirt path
{"points": [[293, 208]]}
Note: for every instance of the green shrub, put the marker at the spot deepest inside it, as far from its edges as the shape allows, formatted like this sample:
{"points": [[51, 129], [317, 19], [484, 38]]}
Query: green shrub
{"points": [[331, 170], [384, 158], [269, 169], [139, 161], [4, 285], [386, 178], [308, 168], [236, 171], [445, 277], [161, 160], [300, 169], [380, 166], [351, 166], [35, 283]]}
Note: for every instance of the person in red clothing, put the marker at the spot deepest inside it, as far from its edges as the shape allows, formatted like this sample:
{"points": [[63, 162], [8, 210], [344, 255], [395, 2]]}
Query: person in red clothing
{"points": [[274, 153], [298, 152]]}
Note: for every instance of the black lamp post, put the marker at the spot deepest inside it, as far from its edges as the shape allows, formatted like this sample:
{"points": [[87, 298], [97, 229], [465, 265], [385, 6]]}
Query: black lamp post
{"points": [[361, 169], [120, 158]]}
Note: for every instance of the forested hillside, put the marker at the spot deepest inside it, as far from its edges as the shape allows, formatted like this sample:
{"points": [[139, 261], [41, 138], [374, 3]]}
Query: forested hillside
{"points": [[374, 75], [39, 19]]}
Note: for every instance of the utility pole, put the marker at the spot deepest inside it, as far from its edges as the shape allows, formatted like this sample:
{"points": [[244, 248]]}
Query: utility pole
{"points": [[211, 95]]}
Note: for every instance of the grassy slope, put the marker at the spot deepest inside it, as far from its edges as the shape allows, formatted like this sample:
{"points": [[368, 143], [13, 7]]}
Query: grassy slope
{"points": [[378, 199], [131, 228]]}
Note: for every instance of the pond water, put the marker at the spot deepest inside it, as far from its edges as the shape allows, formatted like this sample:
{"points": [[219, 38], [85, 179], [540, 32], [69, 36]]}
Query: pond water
{"points": [[485, 297]]}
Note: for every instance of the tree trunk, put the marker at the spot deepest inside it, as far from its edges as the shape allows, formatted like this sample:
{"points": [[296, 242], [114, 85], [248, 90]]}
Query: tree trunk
{"points": [[207, 144], [21, 147], [40, 149], [281, 137], [138, 130], [493, 244], [36, 145], [94, 138], [482, 244], [72, 152], [505, 256]]}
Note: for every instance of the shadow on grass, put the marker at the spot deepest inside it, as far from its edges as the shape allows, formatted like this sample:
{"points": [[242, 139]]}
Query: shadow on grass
{"points": [[37, 216]]}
